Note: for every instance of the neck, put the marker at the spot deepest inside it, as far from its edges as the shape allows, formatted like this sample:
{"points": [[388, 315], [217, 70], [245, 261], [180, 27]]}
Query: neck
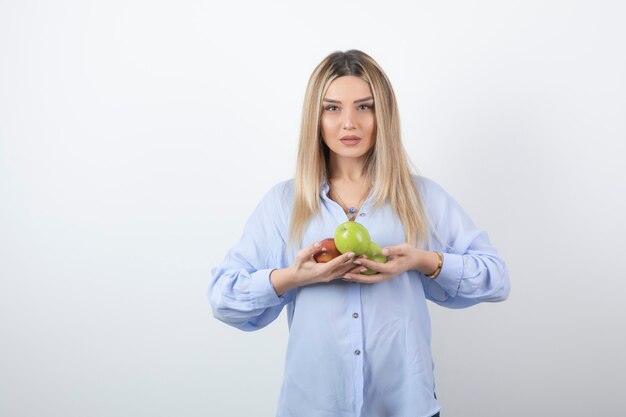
{"points": [[349, 183], [346, 169]]}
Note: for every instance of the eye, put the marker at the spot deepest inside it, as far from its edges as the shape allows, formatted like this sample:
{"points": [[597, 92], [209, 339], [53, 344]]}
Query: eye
{"points": [[365, 107], [331, 107]]}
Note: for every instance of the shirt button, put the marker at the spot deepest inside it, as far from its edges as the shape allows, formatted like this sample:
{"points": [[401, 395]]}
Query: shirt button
{"points": [[362, 214], [357, 352], [355, 315]]}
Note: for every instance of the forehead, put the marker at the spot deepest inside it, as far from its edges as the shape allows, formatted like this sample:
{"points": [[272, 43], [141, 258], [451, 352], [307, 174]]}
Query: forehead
{"points": [[348, 87]]}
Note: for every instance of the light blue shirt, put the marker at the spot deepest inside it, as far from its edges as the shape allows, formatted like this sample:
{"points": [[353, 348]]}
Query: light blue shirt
{"points": [[356, 350]]}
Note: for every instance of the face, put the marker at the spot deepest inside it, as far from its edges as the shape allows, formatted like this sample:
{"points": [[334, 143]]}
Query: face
{"points": [[348, 120]]}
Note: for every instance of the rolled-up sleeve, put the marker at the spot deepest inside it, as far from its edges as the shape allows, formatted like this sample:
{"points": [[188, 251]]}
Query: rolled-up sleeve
{"points": [[241, 293], [472, 271]]}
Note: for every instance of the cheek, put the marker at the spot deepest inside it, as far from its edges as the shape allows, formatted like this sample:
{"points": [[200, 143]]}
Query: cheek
{"points": [[327, 125], [370, 125]]}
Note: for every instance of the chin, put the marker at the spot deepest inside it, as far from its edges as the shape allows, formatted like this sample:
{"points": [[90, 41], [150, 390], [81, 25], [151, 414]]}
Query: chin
{"points": [[350, 155], [353, 152]]}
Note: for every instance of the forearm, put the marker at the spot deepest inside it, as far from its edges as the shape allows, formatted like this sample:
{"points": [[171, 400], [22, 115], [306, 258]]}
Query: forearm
{"points": [[283, 280]]}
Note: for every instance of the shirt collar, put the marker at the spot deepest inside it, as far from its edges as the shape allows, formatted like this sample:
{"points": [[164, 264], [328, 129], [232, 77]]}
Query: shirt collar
{"points": [[326, 187]]}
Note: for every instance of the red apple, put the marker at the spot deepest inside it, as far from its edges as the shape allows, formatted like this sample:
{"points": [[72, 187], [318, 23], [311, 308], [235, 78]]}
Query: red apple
{"points": [[329, 253]]}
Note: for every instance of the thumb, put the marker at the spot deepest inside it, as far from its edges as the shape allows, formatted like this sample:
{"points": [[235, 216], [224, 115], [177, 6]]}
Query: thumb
{"points": [[310, 250]]}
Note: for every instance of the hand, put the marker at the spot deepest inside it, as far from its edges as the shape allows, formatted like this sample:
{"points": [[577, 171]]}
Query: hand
{"points": [[308, 271], [305, 270], [400, 258]]}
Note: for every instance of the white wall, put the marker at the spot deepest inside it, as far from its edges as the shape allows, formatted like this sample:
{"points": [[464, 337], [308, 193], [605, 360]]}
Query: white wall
{"points": [[137, 136]]}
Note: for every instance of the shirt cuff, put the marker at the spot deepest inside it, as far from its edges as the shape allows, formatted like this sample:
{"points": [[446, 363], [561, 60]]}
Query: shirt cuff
{"points": [[262, 293], [451, 273]]}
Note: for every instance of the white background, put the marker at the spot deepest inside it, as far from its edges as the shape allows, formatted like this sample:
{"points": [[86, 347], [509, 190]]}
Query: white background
{"points": [[137, 136]]}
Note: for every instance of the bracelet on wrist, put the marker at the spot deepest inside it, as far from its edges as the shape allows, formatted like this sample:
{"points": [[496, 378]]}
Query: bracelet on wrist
{"points": [[439, 266]]}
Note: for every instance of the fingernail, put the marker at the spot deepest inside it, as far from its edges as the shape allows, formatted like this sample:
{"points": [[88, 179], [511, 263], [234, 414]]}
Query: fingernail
{"points": [[317, 244], [350, 255], [356, 262], [362, 269]]}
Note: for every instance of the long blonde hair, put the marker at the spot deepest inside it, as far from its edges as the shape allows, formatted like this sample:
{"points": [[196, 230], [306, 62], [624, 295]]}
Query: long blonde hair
{"points": [[387, 165]]}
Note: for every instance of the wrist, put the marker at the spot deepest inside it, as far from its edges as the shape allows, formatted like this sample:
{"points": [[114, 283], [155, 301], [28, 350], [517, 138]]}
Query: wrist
{"points": [[435, 272], [283, 280], [427, 262]]}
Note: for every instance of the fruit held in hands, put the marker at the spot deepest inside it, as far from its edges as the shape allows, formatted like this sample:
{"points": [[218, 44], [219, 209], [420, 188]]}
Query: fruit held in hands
{"points": [[329, 254], [374, 253], [352, 237]]}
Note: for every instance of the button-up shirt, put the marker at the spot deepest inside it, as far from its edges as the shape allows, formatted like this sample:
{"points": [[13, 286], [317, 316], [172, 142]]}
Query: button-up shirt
{"points": [[356, 350]]}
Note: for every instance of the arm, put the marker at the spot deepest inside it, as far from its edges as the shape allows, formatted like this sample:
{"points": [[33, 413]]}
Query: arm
{"points": [[472, 271], [240, 292], [255, 281]]}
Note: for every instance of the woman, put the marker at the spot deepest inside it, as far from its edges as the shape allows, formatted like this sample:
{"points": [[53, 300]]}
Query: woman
{"points": [[359, 345]]}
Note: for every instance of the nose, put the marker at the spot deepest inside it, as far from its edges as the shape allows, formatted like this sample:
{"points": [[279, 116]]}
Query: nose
{"points": [[349, 122]]}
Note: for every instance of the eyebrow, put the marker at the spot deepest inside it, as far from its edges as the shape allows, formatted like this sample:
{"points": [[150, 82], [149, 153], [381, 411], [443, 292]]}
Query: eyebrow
{"points": [[330, 100]]}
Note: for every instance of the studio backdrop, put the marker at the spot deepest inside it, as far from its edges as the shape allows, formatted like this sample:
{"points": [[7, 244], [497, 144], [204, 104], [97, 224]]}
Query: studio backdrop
{"points": [[137, 137]]}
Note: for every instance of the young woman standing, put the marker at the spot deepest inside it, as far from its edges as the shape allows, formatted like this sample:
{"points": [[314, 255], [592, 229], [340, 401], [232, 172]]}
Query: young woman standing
{"points": [[359, 345]]}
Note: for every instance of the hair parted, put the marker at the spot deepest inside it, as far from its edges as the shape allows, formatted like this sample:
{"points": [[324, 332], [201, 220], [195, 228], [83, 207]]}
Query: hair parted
{"points": [[387, 166]]}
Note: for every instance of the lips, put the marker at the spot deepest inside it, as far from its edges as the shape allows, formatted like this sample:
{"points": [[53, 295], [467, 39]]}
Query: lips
{"points": [[350, 140]]}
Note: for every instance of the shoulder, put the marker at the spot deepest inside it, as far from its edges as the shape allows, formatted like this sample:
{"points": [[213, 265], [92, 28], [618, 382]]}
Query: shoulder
{"points": [[282, 192], [429, 190], [442, 209], [274, 208], [279, 196], [436, 200]]}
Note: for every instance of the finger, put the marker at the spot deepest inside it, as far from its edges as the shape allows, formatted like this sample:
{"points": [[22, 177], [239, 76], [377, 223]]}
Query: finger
{"points": [[358, 259], [376, 266], [394, 250], [310, 250], [343, 269], [366, 279], [341, 260], [357, 269], [360, 278], [337, 267], [351, 269], [353, 276]]}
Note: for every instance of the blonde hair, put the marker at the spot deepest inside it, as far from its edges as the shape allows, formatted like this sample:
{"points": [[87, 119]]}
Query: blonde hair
{"points": [[387, 165]]}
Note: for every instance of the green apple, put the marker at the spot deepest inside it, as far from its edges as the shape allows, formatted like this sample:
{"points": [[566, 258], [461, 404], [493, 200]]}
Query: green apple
{"points": [[352, 237], [374, 253]]}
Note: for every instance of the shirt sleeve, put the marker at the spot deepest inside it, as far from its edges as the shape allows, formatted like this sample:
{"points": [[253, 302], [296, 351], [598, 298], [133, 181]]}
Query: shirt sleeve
{"points": [[240, 292], [472, 271]]}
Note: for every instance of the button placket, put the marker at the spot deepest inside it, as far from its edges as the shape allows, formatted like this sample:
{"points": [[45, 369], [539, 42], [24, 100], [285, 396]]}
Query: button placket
{"points": [[356, 340]]}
